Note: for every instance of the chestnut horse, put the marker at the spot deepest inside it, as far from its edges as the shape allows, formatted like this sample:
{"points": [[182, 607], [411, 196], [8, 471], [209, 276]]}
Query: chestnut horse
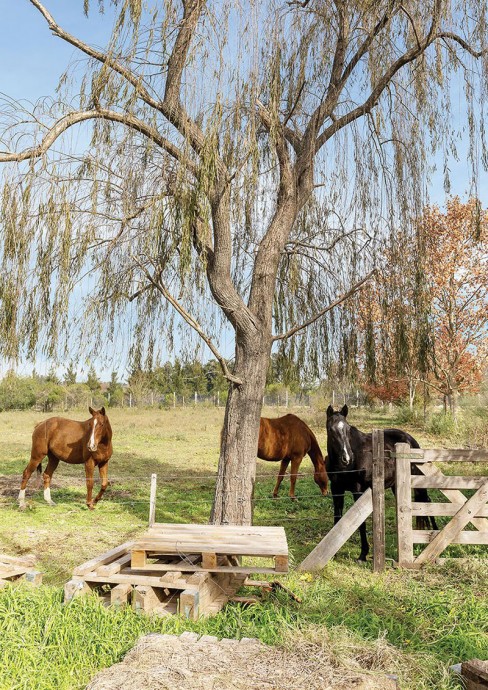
{"points": [[288, 439], [88, 443]]}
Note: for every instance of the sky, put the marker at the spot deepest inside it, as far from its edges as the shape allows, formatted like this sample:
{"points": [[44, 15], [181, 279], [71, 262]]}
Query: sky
{"points": [[32, 61]]}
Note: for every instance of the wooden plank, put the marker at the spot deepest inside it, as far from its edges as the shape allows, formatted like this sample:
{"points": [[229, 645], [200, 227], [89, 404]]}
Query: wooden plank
{"points": [[27, 561], [443, 509], [33, 577], [281, 564], [339, 533], [378, 490], [120, 595], [128, 577], [209, 560], [114, 567], [181, 546], [8, 571], [75, 588], [455, 455], [191, 568], [404, 503], [138, 558], [104, 558], [447, 482], [188, 604], [144, 599], [193, 528], [453, 495], [152, 500], [454, 527], [422, 536]]}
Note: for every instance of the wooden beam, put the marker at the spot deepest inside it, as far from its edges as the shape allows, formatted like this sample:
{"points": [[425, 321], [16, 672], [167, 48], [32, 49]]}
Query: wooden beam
{"points": [[138, 559], [403, 493], [454, 527], [120, 595], [104, 558], [378, 500], [339, 534]]}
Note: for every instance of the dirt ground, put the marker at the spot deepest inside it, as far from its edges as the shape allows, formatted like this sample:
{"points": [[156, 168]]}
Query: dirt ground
{"points": [[190, 662]]}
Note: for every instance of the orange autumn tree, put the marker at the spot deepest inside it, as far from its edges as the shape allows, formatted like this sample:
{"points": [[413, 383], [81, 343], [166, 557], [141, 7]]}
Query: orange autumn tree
{"points": [[456, 266], [425, 317]]}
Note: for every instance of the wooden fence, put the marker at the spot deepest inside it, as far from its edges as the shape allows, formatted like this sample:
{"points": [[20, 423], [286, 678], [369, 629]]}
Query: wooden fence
{"points": [[463, 510], [460, 508]]}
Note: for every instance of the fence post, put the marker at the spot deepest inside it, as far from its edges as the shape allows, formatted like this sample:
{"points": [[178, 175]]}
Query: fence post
{"points": [[174, 400], [403, 491], [378, 500], [152, 500]]}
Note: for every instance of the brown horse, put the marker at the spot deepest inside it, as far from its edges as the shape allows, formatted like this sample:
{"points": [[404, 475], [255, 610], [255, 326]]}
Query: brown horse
{"points": [[88, 443], [288, 439]]}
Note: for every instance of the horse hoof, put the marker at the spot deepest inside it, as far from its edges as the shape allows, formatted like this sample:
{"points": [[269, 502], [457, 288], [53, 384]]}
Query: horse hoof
{"points": [[294, 498], [275, 495], [91, 506], [50, 503], [22, 506]]}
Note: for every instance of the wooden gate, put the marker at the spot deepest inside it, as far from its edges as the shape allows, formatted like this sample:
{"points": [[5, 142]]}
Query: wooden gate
{"points": [[462, 510]]}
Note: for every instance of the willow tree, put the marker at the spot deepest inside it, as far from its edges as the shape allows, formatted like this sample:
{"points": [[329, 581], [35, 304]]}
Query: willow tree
{"points": [[218, 139]]}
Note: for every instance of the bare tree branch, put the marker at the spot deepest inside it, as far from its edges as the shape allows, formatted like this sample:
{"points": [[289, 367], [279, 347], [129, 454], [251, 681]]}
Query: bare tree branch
{"points": [[336, 302], [156, 282], [100, 113]]}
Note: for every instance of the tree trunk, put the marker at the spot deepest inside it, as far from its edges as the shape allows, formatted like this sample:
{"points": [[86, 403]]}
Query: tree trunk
{"points": [[233, 501]]}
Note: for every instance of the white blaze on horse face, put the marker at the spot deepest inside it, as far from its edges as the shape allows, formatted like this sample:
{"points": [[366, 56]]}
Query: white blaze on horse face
{"points": [[91, 443], [340, 426]]}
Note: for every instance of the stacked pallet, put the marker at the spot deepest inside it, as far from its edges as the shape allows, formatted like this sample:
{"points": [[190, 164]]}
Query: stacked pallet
{"points": [[192, 570], [13, 568]]}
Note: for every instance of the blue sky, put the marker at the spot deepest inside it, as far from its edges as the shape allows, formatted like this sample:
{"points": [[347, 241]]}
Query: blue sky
{"points": [[32, 61]]}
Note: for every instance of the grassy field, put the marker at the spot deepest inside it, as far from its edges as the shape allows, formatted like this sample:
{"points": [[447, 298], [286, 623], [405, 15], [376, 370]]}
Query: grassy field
{"points": [[408, 623]]}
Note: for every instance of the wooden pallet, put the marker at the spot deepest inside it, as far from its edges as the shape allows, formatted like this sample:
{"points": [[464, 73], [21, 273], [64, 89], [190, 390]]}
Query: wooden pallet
{"points": [[210, 548], [163, 589], [13, 568]]}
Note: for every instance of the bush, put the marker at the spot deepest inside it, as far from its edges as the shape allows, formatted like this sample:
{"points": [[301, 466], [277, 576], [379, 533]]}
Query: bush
{"points": [[442, 424]]}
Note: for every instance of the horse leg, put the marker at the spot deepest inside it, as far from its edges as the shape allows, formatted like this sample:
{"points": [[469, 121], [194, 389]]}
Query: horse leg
{"points": [[283, 467], [362, 533], [103, 470], [34, 462], [89, 467], [295, 465], [53, 462], [338, 500]]}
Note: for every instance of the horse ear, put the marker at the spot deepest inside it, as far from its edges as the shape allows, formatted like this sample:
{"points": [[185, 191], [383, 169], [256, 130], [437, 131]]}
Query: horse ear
{"points": [[344, 411], [330, 411], [102, 411], [91, 410]]}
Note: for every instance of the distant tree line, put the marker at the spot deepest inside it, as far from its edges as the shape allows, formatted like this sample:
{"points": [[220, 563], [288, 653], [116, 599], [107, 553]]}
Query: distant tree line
{"points": [[159, 385]]}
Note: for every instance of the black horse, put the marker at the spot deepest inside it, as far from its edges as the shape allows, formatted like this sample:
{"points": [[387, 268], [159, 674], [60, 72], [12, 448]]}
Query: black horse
{"points": [[350, 464]]}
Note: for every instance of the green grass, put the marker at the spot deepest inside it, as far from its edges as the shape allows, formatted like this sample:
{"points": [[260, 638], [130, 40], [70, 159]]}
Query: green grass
{"points": [[425, 620]]}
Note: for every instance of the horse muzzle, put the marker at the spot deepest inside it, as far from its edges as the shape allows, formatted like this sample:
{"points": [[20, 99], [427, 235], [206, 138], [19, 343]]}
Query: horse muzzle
{"points": [[92, 448]]}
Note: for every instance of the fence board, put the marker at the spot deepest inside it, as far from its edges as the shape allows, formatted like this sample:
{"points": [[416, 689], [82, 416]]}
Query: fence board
{"points": [[443, 481], [339, 534], [422, 536], [443, 509], [404, 503]]}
